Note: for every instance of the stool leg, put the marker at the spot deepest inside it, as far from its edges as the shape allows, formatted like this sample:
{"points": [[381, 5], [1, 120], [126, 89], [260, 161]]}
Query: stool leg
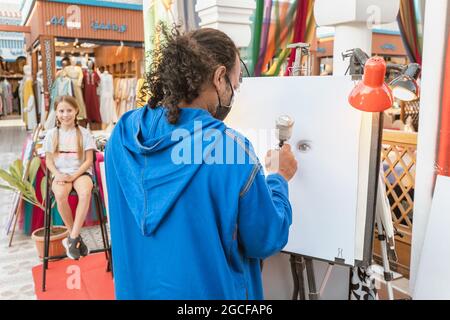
{"points": [[47, 223], [104, 231]]}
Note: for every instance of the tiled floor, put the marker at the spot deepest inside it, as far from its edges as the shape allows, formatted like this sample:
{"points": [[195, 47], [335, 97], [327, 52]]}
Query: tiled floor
{"points": [[400, 285], [16, 262]]}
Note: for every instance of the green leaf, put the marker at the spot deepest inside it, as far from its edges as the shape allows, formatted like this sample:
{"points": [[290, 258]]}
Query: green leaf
{"points": [[44, 189], [7, 188], [15, 171], [20, 185], [12, 181], [18, 164], [29, 189], [33, 169], [37, 204]]}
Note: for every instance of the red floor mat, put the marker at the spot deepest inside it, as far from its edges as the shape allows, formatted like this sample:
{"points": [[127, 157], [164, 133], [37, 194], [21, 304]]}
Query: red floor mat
{"points": [[85, 279]]}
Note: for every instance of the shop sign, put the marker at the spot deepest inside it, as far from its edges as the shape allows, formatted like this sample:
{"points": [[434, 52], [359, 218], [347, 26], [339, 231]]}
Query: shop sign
{"points": [[388, 46], [108, 27], [73, 20]]}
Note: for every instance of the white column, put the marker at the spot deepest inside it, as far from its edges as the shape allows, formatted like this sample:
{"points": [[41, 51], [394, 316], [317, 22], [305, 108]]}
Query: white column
{"points": [[349, 36], [229, 16], [353, 20], [437, 16]]}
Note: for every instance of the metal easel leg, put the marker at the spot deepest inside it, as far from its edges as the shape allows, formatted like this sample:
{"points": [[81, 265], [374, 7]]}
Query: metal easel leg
{"points": [[313, 294], [295, 293], [300, 266], [307, 263], [388, 275]]}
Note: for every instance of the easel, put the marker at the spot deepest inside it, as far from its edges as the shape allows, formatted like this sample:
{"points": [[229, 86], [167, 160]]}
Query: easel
{"points": [[18, 202], [300, 263]]}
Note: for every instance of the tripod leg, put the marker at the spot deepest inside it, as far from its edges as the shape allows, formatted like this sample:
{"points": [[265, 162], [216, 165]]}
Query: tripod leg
{"points": [[388, 275], [294, 277], [16, 218], [313, 294], [300, 265]]}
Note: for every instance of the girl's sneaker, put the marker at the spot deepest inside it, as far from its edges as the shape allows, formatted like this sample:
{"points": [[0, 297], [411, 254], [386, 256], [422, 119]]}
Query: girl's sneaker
{"points": [[72, 247], [84, 250]]}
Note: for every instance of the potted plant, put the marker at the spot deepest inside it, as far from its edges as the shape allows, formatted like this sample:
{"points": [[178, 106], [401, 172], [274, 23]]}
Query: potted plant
{"points": [[22, 183]]}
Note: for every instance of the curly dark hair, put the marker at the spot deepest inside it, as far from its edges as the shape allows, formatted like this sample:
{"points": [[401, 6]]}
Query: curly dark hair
{"points": [[183, 63]]}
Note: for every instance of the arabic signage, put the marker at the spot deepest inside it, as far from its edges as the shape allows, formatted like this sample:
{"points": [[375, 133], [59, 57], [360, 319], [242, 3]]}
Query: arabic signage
{"points": [[108, 26], [388, 46], [95, 25]]}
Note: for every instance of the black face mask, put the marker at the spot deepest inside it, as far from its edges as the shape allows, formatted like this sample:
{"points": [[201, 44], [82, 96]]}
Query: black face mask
{"points": [[223, 111]]}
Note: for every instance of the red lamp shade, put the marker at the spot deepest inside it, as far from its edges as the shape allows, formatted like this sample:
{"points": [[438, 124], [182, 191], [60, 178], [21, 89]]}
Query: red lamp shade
{"points": [[372, 94]]}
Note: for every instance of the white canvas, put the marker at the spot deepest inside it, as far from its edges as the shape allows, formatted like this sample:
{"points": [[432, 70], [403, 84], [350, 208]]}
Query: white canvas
{"points": [[324, 191], [433, 276]]}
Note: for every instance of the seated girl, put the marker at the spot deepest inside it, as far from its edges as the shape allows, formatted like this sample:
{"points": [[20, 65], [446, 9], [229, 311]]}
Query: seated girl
{"points": [[69, 157]]}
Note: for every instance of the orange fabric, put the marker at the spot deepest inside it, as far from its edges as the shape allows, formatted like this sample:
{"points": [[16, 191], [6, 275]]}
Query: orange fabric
{"points": [[444, 142], [271, 49], [95, 283]]}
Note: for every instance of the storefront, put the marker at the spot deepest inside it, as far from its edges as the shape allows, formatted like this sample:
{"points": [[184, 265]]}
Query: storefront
{"points": [[12, 59], [111, 35]]}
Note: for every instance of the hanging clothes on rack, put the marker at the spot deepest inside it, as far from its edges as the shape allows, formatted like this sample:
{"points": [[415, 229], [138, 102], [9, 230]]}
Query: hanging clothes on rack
{"points": [[91, 81], [107, 104], [122, 95], [7, 97], [21, 100], [1, 101], [29, 104], [15, 93], [117, 95], [62, 86], [131, 99]]}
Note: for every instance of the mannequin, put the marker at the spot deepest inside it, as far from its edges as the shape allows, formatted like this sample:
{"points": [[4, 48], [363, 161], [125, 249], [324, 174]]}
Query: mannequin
{"points": [[29, 107], [64, 63], [91, 80], [76, 74], [107, 104], [40, 93]]}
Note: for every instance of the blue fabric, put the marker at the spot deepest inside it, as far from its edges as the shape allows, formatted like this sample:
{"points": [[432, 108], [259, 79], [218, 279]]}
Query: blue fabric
{"points": [[185, 230]]}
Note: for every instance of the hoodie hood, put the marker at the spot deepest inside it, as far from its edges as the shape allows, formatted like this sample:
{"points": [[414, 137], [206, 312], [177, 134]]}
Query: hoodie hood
{"points": [[156, 160]]}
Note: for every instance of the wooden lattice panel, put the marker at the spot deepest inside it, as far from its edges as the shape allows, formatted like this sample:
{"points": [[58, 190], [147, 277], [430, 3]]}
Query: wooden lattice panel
{"points": [[411, 109], [398, 160]]}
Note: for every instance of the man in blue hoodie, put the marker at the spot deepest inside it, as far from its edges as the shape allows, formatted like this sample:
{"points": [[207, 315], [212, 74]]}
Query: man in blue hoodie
{"points": [[191, 211]]}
